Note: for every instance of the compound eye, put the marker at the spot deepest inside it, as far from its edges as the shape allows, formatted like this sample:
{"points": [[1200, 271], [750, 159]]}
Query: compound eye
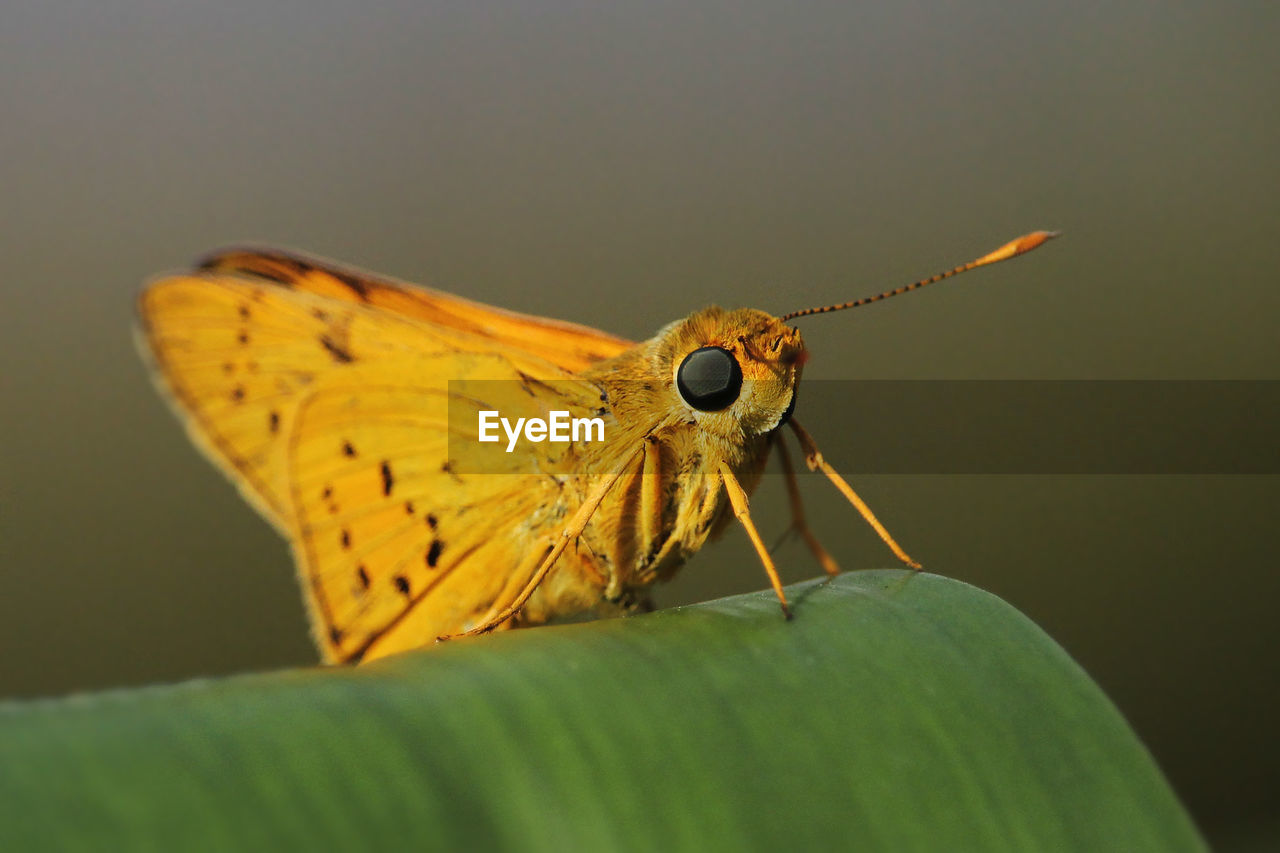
{"points": [[709, 379]]}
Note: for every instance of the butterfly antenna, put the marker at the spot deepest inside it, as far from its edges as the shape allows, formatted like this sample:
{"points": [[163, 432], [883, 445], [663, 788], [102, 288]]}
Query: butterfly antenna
{"points": [[1012, 249]]}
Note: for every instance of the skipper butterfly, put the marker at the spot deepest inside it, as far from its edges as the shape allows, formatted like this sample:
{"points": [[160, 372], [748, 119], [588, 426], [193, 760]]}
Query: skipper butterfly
{"points": [[324, 393]]}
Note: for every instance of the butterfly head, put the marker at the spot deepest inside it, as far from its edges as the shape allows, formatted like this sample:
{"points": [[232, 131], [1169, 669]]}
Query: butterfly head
{"points": [[734, 372]]}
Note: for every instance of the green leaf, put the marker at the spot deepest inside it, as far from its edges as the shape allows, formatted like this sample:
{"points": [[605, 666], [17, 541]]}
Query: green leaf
{"points": [[896, 711]]}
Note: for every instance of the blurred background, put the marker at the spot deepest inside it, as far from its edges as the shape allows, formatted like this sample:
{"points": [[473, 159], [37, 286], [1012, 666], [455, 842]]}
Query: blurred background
{"points": [[623, 164]]}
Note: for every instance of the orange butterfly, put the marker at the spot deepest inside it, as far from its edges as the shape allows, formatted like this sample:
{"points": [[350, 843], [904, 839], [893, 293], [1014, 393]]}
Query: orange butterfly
{"points": [[324, 393]]}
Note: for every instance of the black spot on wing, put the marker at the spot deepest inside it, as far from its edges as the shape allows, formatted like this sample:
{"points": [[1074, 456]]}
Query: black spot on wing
{"points": [[339, 353], [282, 278], [357, 285], [433, 553], [387, 480]]}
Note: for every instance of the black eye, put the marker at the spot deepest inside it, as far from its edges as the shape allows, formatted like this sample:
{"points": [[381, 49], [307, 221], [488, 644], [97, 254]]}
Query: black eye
{"points": [[709, 379]]}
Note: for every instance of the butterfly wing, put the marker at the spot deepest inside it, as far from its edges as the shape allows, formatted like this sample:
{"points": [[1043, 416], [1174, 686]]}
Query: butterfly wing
{"points": [[234, 356], [398, 546], [234, 345], [569, 346], [323, 394]]}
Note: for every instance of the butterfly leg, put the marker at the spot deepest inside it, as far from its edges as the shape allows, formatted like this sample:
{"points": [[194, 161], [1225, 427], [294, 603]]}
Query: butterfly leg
{"points": [[649, 524], [518, 580], [575, 527], [738, 499], [813, 457], [798, 522]]}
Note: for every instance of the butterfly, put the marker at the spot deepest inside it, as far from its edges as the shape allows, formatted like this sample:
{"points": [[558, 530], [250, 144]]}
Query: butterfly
{"points": [[337, 402]]}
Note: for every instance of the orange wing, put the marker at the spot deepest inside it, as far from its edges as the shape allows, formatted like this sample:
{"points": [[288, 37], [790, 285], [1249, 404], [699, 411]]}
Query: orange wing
{"points": [[323, 394], [569, 346], [236, 344]]}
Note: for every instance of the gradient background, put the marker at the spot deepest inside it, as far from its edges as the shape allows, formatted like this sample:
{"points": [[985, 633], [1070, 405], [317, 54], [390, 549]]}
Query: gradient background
{"points": [[620, 165]]}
